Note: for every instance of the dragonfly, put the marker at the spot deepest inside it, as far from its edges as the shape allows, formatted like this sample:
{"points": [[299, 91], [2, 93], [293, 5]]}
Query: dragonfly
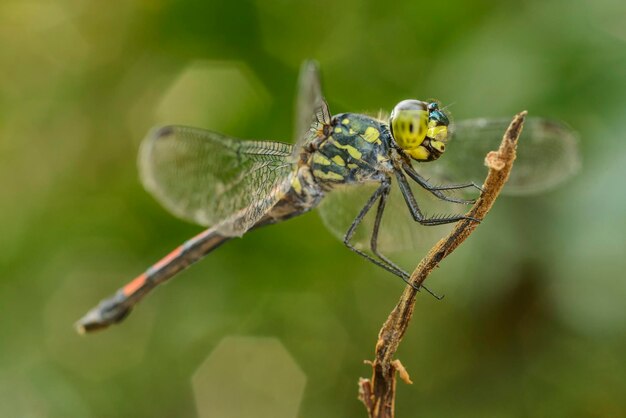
{"points": [[358, 166]]}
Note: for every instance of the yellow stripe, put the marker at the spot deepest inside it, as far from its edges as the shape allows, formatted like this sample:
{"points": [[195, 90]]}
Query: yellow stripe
{"points": [[354, 153], [338, 160], [371, 134], [320, 159], [295, 183], [327, 176]]}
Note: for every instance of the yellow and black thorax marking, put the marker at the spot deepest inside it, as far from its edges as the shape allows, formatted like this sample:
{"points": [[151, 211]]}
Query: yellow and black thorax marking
{"points": [[355, 150]]}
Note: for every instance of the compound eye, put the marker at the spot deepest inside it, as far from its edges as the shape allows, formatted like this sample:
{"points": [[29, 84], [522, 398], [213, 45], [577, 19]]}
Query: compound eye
{"points": [[409, 125], [432, 106]]}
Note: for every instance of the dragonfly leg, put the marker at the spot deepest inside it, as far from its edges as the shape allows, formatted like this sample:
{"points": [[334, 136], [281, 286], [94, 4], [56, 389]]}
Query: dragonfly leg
{"points": [[383, 189], [399, 271], [436, 190], [374, 238], [417, 214], [381, 193]]}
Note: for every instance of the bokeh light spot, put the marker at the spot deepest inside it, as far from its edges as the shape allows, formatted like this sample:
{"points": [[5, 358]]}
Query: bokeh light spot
{"points": [[248, 377], [215, 95]]}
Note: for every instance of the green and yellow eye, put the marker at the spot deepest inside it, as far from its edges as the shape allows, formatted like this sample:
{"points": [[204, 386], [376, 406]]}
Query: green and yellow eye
{"points": [[409, 123], [420, 129]]}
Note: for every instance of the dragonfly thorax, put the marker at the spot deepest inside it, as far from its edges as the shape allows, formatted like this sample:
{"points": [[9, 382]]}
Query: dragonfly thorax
{"points": [[355, 150]]}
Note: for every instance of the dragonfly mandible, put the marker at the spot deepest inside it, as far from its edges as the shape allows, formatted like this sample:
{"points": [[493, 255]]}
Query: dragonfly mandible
{"points": [[233, 186]]}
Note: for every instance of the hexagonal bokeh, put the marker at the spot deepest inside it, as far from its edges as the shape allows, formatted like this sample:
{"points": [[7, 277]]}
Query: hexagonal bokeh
{"points": [[248, 377], [212, 94], [333, 30]]}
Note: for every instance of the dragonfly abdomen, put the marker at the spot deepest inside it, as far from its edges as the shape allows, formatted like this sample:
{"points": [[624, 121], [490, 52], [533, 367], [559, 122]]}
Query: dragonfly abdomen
{"points": [[117, 307]]}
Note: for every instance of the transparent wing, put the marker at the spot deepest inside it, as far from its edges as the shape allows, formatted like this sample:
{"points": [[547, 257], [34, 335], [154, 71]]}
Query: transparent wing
{"points": [[398, 231], [211, 179], [547, 155], [311, 108]]}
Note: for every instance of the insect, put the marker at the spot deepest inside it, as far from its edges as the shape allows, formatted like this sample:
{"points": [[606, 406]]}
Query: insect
{"points": [[233, 186]]}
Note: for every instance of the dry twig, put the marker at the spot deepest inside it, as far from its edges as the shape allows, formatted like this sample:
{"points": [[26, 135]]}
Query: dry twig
{"points": [[378, 393]]}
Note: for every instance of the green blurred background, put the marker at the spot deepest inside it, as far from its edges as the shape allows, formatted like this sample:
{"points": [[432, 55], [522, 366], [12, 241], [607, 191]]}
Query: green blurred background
{"points": [[534, 320]]}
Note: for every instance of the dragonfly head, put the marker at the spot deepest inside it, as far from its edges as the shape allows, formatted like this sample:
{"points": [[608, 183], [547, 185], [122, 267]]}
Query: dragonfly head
{"points": [[420, 129]]}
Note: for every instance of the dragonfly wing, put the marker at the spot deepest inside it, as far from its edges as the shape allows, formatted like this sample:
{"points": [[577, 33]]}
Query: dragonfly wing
{"points": [[311, 107], [210, 179], [547, 154], [398, 231]]}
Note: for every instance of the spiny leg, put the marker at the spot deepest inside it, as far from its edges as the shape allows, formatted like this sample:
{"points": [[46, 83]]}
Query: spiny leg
{"points": [[374, 238], [383, 189], [381, 192], [417, 214], [400, 272], [424, 183], [436, 190]]}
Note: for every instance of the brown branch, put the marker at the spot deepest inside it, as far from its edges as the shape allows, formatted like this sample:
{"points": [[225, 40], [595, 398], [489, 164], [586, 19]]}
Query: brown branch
{"points": [[378, 394]]}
